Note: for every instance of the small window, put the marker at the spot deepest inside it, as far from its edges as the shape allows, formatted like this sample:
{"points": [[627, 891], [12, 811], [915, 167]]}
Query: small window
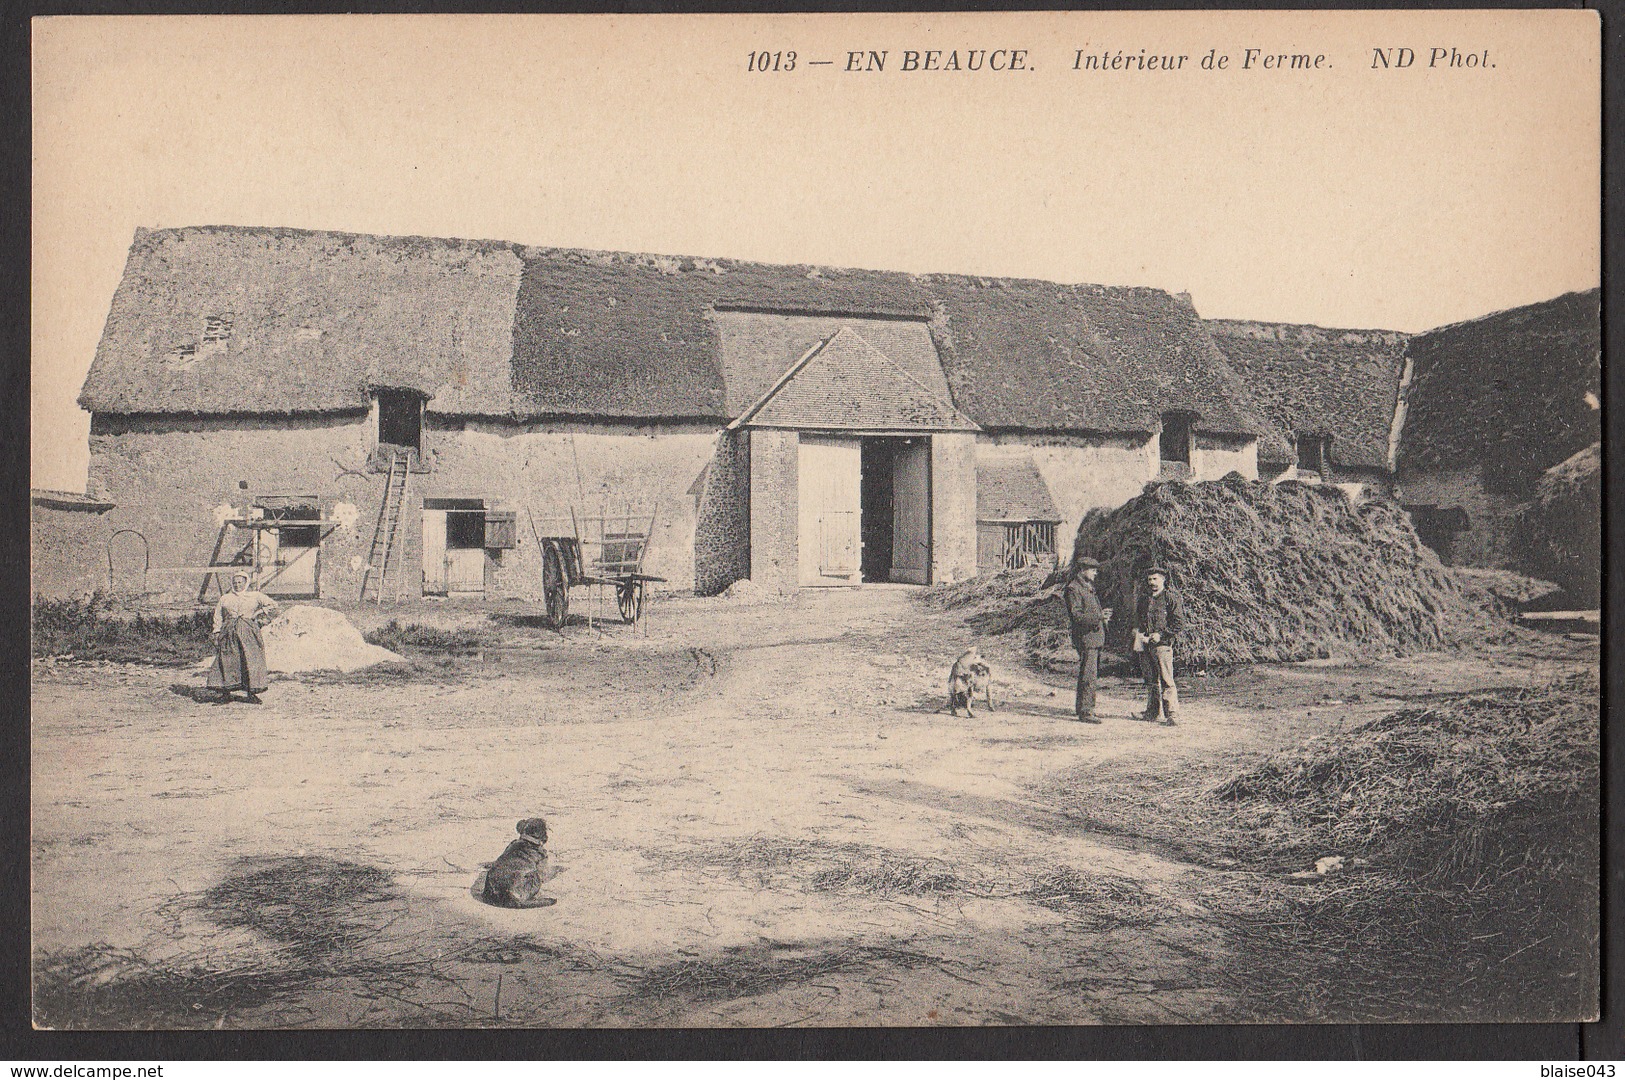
{"points": [[1314, 454], [1174, 444], [465, 529], [400, 418]]}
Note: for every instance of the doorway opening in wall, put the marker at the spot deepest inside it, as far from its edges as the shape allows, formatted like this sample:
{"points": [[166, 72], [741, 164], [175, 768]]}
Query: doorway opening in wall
{"points": [[454, 555], [1174, 445], [895, 509], [1313, 456], [400, 419]]}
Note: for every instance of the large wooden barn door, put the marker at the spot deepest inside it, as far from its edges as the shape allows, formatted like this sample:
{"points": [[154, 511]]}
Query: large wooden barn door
{"points": [[829, 493], [911, 512]]}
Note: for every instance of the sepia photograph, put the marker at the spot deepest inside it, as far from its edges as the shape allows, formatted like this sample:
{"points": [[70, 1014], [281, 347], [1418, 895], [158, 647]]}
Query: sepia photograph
{"points": [[889, 520]]}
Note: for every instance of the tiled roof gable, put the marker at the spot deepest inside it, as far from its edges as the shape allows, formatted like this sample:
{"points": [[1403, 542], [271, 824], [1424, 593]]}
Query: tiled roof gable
{"points": [[845, 383]]}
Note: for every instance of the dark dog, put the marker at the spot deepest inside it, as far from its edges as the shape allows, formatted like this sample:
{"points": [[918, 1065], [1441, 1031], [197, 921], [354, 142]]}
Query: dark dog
{"points": [[515, 879], [969, 677]]}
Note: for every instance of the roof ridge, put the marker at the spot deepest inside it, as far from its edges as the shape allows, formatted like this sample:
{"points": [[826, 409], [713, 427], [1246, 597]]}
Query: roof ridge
{"points": [[1548, 302]]}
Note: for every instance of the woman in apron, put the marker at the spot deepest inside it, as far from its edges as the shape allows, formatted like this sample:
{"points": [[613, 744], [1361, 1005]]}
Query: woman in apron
{"points": [[239, 651]]}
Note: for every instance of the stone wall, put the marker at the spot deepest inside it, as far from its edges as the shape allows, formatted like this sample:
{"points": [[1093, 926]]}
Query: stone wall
{"points": [[69, 552], [1490, 536], [953, 506], [531, 469], [1217, 456], [1082, 472], [722, 526], [774, 457], [175, 481]]}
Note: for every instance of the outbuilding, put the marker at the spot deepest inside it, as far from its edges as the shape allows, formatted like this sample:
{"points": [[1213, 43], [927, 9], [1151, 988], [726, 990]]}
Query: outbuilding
{"points": [[351, 412]]}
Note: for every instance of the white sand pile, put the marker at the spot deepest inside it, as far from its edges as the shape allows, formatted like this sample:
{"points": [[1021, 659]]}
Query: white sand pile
{"points": [[305, 638]]}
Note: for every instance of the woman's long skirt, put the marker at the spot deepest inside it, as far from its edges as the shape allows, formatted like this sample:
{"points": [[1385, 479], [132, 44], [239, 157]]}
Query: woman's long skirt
{"points": [[239, 657]]}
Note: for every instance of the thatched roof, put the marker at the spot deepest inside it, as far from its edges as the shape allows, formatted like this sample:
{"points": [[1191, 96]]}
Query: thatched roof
{"points": [[315, 320], [1579, 476], [1315, 381], [1516, 392], [68, 500], [499, 329]]}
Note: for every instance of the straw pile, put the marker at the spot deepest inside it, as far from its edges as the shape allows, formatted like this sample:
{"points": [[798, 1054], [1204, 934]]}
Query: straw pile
{"points": [[1478, 817], [1281, 572]]}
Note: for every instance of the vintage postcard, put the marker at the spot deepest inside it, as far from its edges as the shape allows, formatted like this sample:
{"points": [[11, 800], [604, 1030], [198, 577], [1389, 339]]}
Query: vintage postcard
{"points": [[665, 521]]}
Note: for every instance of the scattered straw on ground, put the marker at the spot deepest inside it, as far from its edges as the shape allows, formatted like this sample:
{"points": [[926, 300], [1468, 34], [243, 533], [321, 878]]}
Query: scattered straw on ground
{"points": [[747, 971], [1475, 819]]}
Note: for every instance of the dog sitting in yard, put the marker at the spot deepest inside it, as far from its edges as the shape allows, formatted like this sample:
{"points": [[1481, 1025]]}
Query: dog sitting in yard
{"points": [[515, 879], [970, 676]]}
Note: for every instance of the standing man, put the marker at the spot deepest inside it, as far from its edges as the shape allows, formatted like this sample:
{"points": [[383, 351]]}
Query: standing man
{"points": [[1088, 622], [1157, 620]]}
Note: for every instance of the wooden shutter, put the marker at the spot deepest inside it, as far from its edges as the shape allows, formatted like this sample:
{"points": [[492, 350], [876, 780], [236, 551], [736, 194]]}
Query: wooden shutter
{"points": [[501, 529]]}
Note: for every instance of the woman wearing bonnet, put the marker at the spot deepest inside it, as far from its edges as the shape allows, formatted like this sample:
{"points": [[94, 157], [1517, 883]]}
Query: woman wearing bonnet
{"points": [[239, 651]]}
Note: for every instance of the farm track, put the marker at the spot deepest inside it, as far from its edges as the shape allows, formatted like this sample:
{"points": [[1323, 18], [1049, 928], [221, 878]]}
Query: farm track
{"points": [[758, 817]]}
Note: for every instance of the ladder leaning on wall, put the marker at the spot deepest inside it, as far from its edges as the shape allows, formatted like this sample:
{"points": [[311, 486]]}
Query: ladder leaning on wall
{"points": [[387, 531]]}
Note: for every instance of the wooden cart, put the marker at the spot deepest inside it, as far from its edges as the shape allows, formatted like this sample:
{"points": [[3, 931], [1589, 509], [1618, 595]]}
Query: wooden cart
{"points": [[599, 552]]}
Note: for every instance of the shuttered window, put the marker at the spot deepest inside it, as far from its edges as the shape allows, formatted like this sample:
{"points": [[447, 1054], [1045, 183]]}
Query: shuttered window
{"points": [[501, 529]]}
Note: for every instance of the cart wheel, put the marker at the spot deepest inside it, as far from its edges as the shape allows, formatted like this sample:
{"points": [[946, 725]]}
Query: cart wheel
{"points": [[555, 590], [629, 597]]}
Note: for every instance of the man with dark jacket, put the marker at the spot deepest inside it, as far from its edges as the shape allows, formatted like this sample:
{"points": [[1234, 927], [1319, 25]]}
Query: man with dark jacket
{"points": [[1157, 621], [1088, 622]]}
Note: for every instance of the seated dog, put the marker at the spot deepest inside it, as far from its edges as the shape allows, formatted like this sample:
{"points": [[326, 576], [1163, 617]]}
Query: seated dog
{"points": [[515, 879], [969, 677]]}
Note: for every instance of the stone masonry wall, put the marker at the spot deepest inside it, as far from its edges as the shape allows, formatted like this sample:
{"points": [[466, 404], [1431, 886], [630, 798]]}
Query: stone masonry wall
{"points": [[1217, 456], [69, 552], [1081, 472], [175, 482], [722, 527], [531, 470], [774, 457]]}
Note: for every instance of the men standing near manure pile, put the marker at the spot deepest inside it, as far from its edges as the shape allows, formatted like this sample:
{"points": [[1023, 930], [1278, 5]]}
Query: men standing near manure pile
{"points": [[1088, 623], [1157, 619]]}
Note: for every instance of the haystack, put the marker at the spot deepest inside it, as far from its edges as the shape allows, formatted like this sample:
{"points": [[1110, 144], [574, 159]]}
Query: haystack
{"points": [[1561, 528], [1281, 572]]}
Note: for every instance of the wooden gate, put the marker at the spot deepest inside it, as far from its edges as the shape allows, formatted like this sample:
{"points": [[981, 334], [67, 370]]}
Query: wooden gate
{"points": [[829, 500], [911, 513]]}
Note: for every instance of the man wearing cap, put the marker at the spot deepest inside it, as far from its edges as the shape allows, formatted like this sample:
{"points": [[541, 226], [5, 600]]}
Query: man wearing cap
{"points": [[1088, 622], [1157, 621]]}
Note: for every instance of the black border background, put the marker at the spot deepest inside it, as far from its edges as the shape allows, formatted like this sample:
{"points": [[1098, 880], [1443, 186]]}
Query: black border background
{"points": [[1600, 1041]]}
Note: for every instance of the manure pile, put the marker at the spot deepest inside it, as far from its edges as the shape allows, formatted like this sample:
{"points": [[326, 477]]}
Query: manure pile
{"points": [[1281, 572]]}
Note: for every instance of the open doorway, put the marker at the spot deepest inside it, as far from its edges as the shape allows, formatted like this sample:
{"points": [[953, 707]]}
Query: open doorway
{"points": [[895, 517], [400, 419]]}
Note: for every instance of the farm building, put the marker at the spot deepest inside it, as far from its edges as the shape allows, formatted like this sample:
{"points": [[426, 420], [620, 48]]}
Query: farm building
{"points": [[68, 535], [1492, 404], [1333, 398], [799, 426]]}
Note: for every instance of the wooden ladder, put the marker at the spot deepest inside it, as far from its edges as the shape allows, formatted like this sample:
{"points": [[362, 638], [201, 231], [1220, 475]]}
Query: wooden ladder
{"points": [[388, 528]]}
